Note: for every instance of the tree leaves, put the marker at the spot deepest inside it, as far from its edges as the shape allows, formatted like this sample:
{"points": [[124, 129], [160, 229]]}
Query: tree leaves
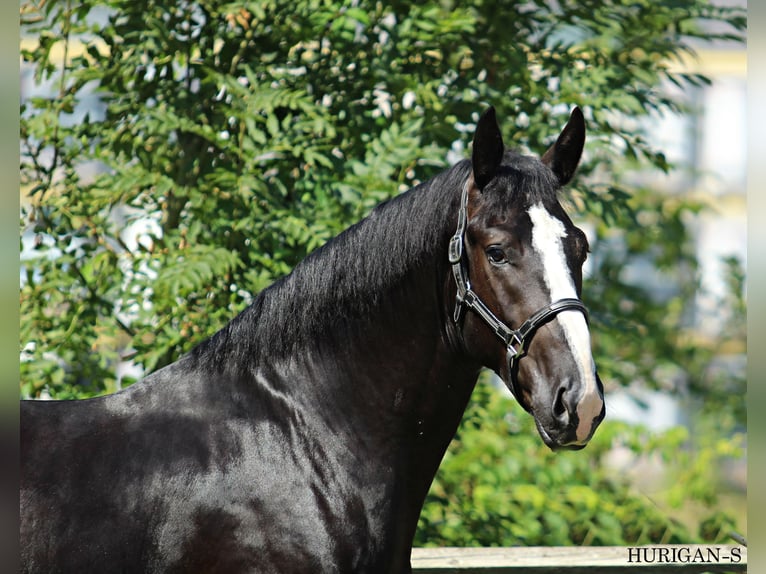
{"points": [[194, 270]]}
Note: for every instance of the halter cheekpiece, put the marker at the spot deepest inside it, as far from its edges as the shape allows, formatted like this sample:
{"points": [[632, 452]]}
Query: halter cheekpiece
{"points": [[516, 341]]}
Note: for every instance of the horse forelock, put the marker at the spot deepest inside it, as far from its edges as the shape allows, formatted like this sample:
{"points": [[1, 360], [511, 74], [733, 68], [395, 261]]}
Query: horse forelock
{"points": [[521, 181]]}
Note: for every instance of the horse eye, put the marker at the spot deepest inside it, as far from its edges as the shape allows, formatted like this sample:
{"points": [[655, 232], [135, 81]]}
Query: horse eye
{"points": [[495, 255]]}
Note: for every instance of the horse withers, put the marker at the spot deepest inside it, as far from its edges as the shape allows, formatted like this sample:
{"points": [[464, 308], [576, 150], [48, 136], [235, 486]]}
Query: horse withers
{"points": [[304, 435]]}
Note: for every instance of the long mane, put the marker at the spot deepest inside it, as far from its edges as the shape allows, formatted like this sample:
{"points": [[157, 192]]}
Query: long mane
{"points": [[339, 289]]}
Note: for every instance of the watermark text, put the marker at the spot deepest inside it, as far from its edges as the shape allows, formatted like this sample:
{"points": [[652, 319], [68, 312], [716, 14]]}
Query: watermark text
{"points": [[684, 554]]}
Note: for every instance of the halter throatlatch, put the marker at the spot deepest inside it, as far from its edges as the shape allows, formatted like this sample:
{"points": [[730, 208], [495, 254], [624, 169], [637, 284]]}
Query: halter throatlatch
{"points": [[516, 341]]}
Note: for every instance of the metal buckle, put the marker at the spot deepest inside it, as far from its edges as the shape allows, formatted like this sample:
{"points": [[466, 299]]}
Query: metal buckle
{"points": [[458, 313], [455, 249], [517, 351]]}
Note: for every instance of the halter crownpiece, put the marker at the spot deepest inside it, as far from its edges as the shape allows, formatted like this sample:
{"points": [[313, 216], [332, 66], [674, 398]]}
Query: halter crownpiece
{"points": [[516, 341]]}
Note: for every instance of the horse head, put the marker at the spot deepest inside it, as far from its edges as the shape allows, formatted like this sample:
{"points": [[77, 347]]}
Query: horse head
{"points": [[517, 263]]}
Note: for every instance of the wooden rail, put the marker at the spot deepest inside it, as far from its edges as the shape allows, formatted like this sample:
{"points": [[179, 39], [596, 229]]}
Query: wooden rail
{"points": [[660, 559]]}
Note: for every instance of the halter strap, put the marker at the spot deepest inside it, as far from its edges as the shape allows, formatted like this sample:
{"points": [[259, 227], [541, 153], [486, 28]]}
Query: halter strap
{"points": [[516, 341]]}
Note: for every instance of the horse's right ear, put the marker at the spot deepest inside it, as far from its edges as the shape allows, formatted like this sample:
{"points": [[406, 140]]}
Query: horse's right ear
{"points": [[487, 148]]}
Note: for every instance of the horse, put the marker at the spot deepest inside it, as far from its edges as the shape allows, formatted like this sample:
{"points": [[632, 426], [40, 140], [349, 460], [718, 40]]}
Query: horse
{"points": [[304, 435]]}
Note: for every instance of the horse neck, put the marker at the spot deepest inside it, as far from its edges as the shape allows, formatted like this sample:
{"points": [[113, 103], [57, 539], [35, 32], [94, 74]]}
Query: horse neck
{"points": [[400, 386], [366, 316]]}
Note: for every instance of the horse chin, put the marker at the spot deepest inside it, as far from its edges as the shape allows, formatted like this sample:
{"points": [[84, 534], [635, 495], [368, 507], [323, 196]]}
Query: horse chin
{"points": [[555, 444]]}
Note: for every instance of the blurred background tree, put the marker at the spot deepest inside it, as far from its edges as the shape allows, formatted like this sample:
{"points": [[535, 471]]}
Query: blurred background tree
{"points": [[177, 157]]}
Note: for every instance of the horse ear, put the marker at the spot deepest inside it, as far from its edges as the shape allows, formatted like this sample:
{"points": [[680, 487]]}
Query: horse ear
{"points": [[487, 148], [564, 155]]}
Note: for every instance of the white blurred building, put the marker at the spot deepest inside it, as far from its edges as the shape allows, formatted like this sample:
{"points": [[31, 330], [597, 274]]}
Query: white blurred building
{"points": [[711, 146]]}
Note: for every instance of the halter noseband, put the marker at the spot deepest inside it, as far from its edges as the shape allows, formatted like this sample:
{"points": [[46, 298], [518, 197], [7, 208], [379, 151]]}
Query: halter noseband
{"points": [[516, 341]]}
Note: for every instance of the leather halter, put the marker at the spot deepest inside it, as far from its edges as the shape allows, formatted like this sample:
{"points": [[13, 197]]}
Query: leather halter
{"points": [[516, 341]]}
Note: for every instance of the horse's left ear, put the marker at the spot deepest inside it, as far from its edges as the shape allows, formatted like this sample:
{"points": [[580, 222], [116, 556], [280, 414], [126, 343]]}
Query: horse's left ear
{"points": [[487, 148], [564, 155]]}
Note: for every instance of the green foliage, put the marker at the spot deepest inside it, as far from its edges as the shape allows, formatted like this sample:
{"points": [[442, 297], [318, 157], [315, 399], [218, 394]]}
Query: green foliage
{"points": [[235, 137]]}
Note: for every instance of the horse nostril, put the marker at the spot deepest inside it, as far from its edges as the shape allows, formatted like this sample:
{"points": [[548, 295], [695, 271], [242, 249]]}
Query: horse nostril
{"points": [[560, 410]]}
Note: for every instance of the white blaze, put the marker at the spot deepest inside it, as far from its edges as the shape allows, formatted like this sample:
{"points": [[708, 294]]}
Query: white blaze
{"points": [[547, 232]]}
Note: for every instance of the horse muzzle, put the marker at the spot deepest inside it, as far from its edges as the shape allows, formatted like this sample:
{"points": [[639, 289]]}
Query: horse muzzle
{"points": [[568, 419]]}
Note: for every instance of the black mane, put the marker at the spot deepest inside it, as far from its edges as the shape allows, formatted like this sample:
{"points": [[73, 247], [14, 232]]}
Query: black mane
{"points": [[339, 288]]}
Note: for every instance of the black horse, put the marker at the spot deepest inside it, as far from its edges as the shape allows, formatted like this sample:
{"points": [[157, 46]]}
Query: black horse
{"points": [[304, 435]]}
